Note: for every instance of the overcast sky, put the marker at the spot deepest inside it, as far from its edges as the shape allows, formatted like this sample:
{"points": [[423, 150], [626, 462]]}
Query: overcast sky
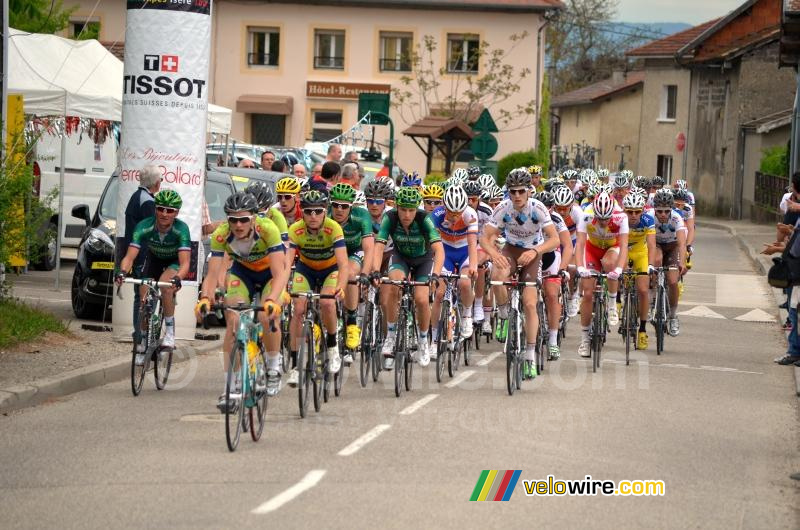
{"points": [[689, 11]]}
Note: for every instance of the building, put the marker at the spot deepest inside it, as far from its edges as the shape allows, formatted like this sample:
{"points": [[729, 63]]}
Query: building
{"points": [[605, 117], [292, 71]]}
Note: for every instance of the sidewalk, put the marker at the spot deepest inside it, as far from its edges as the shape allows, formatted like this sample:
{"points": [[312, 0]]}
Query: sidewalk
{"points": [[751, 238]]}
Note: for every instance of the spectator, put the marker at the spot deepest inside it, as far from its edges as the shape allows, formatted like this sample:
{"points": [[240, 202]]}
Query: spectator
{"points": [[350, 156], [331, 172], [299, 171], [246, 163], [351, 176], [278, 166], [334, 153], [316, 171], [267, 158]]}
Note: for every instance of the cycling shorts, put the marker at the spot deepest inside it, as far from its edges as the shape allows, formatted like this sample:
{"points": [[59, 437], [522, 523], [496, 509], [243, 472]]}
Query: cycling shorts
{"points": [[670, 256], [154, 267], [455, 259], [593, 256], [639, 259], [530, 273], [244, 283], [307, 279], [551, 264], [419, 268], [358, 257]]}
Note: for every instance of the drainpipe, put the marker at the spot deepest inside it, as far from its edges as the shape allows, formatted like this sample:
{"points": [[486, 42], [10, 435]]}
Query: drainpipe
{"points": [[538, 90]]}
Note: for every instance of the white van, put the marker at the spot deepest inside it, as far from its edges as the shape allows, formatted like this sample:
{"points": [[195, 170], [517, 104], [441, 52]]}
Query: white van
{"points": [[87, 168]]}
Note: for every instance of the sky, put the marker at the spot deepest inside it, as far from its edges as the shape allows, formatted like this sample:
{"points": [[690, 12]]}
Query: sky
{"points": [[690, 11]]}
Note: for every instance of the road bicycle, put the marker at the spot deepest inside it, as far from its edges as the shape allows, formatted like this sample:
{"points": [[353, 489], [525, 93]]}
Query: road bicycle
{"points": [[451, 344], [151, 323], [544, 329], [661, 306], [372, 336], [599, 324], [629, 323]]}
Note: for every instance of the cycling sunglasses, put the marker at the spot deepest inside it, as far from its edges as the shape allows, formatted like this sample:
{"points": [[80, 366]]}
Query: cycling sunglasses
{"points": [[232, 219], [376, 201], [634, 212], [313, 211], [517, 191], [340, 205], [663, 210], [166, 209], [433, 202], [286, 197]]}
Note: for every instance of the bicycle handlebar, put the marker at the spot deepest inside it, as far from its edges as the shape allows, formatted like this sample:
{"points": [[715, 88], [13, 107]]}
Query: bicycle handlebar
{"points": [[148, 282], [311, 295]]}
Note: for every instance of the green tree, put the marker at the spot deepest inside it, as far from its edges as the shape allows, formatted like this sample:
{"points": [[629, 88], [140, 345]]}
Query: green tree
{"points": [[39, 16], [543, 144]]}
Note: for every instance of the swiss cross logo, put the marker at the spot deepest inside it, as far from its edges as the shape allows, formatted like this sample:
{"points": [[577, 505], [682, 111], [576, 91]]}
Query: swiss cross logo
{"points": [[169, 63]]}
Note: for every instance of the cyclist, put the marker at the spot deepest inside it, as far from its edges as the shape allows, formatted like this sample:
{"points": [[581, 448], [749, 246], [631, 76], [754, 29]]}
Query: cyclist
{"points": [[571, 213], [169, 249], [356, 225], [474, 191], [473, 172], [536, 178], [603, 175], [496, 198], [457, 224], [602, 245], [529, 233], [417, 251], [254, 245], [681, 184], [432, 197], [412, 180], [621, 186], [670, 250], [681, 197], [641, 253], [288, 191]]}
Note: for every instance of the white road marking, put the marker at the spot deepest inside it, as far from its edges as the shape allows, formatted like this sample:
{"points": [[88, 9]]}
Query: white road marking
{"points": [[364, 439], [44, 299], [701, 311], [463, 376], [311, 479], [756, 315], [673, 365], [411, 409], [492, 357]]}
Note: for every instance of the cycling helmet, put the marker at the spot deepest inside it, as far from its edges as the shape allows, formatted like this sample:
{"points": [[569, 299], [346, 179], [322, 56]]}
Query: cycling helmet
{"points": [[361, 199], [535, 170], [570, 174], [486, 193], [411, 179], [563, 196], [486, 180], [498, 193], [290, 159], [343, 192], [633, 201], [313, 198], [603, 173], [434, 191], [518, 177], [620, 181], [262, 192], [455, 199], [408, 197], [288, 185], [473, 172], [546, 198], [604, 188], [641, 182], [241, 201], [376, 189], [168, 198], [638, 191], [657, 182], [680, 195], [627, 173], [472, 188], [603, 206], [681, 184], [663, 199], [460, 174]]}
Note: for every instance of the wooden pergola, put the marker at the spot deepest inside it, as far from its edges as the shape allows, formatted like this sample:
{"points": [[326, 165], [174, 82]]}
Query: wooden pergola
{"points": [[446, 135]]}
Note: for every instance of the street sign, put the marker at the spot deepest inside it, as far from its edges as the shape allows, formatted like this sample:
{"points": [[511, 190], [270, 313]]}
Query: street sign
{"points": [[680, 142], [485, 123], [376, 103], [484, 146]]}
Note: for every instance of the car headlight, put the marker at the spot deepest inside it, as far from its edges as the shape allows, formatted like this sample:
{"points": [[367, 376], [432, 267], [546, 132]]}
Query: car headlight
{"points": [[99, 242]]}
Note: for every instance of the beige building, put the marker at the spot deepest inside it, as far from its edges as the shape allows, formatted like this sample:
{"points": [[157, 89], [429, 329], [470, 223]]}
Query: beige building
{"points": [[292, 71], [603, 116]]}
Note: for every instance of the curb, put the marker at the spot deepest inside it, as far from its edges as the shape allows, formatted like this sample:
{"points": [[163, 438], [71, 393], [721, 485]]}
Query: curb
{"points": [[99, 374], [762, 265]]}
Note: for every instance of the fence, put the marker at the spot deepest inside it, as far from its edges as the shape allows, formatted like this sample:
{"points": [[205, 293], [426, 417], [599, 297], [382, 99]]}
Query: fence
{"points": [[769, 191]]}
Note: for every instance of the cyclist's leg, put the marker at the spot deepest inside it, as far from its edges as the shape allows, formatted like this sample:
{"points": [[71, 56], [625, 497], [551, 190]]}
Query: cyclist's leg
{"points": [[272, 339], [421, 271], [330, 320], [168, 293], [467, 291], [447, 268], [239, 287], [671, 258], [351, 303], [398, 270], [301, 283], [480, 286], [594, 262], [552, 288], [529, 298], [503, 274]]}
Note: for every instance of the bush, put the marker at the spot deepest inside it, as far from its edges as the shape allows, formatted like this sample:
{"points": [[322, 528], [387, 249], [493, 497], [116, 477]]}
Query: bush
{"points": [[434, 177], [515, 160], [775, 161]]}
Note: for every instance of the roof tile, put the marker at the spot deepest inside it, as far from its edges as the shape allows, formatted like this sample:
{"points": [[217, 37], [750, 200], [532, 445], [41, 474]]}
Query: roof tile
{"points": [[599, 90], [669, 46]]}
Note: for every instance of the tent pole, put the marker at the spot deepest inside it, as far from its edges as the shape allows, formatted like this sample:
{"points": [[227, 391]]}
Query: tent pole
{"points": [[61, 197]]}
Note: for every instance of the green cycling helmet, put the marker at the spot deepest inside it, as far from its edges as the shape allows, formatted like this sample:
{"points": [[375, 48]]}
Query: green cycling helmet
{"points": [[313, 198], [168, 198], [343, 192], [408, 197]]}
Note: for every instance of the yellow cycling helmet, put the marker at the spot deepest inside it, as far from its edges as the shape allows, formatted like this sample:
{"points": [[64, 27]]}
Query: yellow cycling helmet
{"points": [[535, 170], [433, 191], [288, 185]]}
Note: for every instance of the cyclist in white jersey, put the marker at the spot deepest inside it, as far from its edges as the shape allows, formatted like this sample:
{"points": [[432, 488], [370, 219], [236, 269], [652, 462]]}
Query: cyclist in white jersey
{"points": [[474, 190], [670, 250]]}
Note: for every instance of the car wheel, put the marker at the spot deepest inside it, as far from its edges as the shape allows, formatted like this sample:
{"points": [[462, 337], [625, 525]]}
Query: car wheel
{"points": [[47, 253], [81, 307]]}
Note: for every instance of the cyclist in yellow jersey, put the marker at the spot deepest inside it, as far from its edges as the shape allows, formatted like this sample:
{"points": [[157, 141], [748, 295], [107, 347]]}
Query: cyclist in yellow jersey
{"points": [[319, 243], [642, 252]]}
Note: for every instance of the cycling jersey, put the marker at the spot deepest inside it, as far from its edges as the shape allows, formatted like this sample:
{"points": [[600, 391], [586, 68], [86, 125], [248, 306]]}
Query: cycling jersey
{"points": [[454, 234], [357, 227], [252, 252], [522, 227], [687, 212], [571, 221], [163, 246], [667, 233], [637, 235], [412, 243], [484, 212], [551, 261], [316, 250], [275, 215], [603, 237]]}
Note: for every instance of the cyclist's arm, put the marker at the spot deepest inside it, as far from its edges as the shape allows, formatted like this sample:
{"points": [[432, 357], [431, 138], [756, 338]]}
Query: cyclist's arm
{"points": [[210, 283], [184, 259], [580, 250], [488, 238], [381, 239], [377, 255], [566, 249], [368, 245], [651, 248], [280, 274], [340, 253], [472, 250], [438, 256], [622, 241], [681, 235], [551, 241], [690, 228], [130, 256]]}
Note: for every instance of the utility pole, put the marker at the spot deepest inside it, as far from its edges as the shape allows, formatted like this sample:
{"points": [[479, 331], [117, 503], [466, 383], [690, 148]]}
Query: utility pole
{"points": [[3, 77]]}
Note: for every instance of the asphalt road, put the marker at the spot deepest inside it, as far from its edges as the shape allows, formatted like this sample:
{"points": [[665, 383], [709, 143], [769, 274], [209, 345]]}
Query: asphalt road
{"points": [[713, 418]]}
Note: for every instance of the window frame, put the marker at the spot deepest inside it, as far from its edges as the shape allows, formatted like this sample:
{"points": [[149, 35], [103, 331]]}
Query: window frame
{"points": [[664, 113], [321, 126], [334, 65], [266, 30], [464, 38], [382, 56]]}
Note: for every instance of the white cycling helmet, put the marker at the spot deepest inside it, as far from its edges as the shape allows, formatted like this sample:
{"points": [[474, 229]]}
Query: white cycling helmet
{"points": [[459, 175], [498, 193], [603, 173], [563, 196], [633, 201], [570, 174], [455, 199], [603, 206], [486, 181], [361, 199], [680, 184], [605, 188]]}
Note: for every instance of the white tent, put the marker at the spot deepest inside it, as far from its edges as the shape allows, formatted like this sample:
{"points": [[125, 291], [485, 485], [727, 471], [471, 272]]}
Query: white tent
{"points": [[59, 76]]}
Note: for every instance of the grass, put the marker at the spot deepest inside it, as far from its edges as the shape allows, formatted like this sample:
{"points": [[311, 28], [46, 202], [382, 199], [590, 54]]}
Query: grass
{"points": [[20, 322]]}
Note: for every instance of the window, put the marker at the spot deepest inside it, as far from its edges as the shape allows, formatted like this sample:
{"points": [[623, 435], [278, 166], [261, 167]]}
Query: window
{"points": [[669, 103], [268, 129], [664, 167], [263, 46], [325, 125], [85, 29], [329, 49], [395, 52], [462, 53]]}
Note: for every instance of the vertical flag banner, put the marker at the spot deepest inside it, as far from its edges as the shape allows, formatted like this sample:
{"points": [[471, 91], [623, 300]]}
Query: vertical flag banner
{"points": [[164, 107], [494, 485]]}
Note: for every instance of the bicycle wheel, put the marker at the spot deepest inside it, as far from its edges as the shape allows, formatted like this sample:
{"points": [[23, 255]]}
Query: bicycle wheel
{"points": [[285, 349], [465, 349], [660, 320], [377, 344], [596, 330], [441, 345], [627, 326], [541, 340], [258, 391], [408, 372], [234, 415], [163, 362], [399, 354], [512, 353], [453, 320], [305, 371], [338, 377], [366, 345], [138, 371]]}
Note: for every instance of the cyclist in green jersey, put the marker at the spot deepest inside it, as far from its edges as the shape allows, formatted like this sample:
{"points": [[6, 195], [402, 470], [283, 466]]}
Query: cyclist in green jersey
{"points": [[253, 244], [359, 239], [417, 251], [169, 248]]}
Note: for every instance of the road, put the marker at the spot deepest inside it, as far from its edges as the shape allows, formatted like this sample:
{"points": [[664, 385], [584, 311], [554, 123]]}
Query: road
{"points": [[713, 417]]}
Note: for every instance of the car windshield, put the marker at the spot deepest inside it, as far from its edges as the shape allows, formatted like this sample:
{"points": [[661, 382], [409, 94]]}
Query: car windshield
{"points": [[108, 208]]}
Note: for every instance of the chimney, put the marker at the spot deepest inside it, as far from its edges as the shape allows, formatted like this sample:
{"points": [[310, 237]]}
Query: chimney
{"points": [[618, 76]]}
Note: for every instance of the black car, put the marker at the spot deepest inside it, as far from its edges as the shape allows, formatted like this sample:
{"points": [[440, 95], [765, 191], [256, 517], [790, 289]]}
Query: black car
{"points": [[92, 281]]}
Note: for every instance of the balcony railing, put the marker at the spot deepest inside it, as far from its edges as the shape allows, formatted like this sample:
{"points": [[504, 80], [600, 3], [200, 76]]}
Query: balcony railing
{"points": [[262, 59], [328, 62], [395, 65]]}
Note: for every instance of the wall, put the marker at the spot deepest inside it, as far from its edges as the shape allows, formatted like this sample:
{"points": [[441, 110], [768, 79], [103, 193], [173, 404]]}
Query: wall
{"points": [[579, 123], [755, 144], [658, 137], [620, 116]]}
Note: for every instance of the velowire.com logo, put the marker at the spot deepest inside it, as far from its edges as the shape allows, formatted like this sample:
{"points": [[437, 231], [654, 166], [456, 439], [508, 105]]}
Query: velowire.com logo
{"points": [[495, 485]]}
